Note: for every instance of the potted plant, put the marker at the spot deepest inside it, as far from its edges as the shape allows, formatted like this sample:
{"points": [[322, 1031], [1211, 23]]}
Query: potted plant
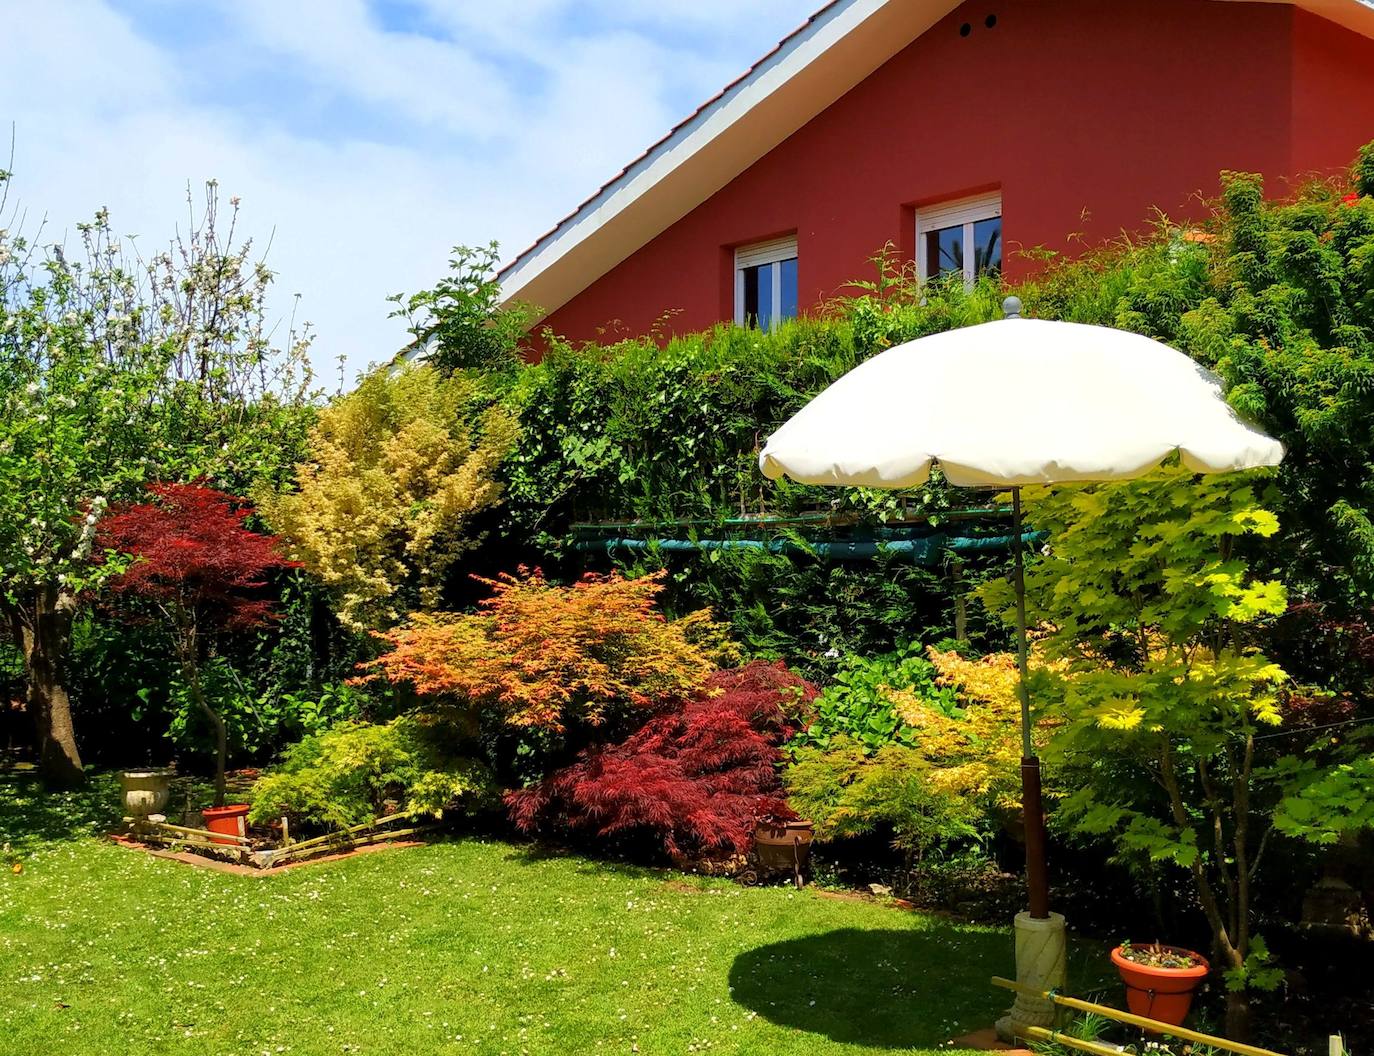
{"points": [[1160, 980], [230, 820]]}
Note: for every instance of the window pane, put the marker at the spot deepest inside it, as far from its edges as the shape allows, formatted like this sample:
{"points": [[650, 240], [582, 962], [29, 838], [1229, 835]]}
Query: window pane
{"points": [[945, 251], [788, 308], [987, 246], [766, 306], [751, 296]]}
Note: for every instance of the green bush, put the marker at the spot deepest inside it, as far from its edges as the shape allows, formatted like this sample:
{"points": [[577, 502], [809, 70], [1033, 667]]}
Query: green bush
{"points": [[259, 721], [858, 704], [665, 438], [847, 792], [345, 776]]}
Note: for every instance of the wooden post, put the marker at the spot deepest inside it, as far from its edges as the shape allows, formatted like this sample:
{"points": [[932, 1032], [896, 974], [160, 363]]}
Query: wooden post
{"points": [[1032, 810]]}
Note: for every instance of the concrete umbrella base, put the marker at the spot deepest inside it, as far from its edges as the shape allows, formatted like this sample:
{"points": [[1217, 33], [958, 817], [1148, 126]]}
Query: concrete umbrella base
{"points": [[1041, 962]]}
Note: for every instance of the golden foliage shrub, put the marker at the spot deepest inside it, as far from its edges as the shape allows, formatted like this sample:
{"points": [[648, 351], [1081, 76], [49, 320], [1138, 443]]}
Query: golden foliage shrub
{"points": [[397, 470]]}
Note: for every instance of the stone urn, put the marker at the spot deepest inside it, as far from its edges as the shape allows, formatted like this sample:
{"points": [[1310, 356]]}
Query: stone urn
{"points": [[146, 791]]}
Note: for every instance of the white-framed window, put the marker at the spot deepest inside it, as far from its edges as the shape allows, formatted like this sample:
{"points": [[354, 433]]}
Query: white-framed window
{"points": [[766, 283], [963, 237]]}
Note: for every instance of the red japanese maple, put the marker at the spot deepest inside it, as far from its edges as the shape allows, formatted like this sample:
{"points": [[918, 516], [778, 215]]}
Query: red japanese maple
{"points": [[206, 572], [696, 780]]}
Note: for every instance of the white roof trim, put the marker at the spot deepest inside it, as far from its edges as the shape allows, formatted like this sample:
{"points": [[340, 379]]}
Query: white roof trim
{"points": [[836, 49]]}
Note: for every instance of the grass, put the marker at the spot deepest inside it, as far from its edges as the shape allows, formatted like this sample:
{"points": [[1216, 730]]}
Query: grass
{"points": [[467, 946]]}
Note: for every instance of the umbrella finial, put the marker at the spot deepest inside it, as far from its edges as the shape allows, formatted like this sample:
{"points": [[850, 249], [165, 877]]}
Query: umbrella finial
{"points": [[1011, 307]]}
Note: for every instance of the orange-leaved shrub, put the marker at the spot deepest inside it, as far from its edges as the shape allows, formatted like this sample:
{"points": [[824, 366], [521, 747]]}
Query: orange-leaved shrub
{"points": [[547, 657]]}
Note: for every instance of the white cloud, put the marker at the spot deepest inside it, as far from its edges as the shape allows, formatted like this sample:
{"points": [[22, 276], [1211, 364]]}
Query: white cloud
{"points": [[364, 153]]}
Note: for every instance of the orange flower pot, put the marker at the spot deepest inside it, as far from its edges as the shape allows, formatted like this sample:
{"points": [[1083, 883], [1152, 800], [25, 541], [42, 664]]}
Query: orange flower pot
{"points": [[231, 820], [1165, 994]]}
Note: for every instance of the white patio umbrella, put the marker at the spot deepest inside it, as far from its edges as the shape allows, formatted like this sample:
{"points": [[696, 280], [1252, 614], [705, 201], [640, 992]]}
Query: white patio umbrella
{"points": [[1006, 404]]}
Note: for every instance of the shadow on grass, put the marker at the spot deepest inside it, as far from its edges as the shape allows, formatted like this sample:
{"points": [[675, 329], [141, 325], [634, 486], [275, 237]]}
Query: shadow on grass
{"points": [[32, 815], [886, 988], [583, 860]]}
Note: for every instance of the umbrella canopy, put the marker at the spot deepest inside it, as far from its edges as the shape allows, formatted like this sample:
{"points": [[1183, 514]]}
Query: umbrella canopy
{"points": [[1021, 401]]}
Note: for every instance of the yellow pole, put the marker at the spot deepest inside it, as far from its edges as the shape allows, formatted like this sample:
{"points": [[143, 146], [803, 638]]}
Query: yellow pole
{"points": [[1152, 1025], [1097, 1048]]}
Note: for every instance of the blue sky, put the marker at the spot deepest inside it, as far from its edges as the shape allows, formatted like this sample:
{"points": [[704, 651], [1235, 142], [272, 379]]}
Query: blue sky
{"points": [[365, 139]]}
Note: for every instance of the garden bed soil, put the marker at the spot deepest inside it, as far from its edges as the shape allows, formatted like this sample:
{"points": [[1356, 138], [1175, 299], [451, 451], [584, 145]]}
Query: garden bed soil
{"points": [[222, 866]]}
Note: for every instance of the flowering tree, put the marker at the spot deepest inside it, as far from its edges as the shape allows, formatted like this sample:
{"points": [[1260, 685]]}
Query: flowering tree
{"points": [[202, 569], [396, 471], [114, 370]]}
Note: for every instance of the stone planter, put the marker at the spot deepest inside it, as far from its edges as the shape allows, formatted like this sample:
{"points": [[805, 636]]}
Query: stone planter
{"points": [[146, 791]]}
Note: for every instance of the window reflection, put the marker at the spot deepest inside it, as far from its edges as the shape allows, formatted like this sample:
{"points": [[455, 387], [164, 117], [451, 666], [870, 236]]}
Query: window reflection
{"points": [[987, 246], [945, 251]]}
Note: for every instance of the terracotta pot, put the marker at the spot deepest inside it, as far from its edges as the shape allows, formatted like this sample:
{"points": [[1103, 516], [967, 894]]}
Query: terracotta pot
{"points": [[1164, 994], [146, 791], [232, 820], [783, 848]]}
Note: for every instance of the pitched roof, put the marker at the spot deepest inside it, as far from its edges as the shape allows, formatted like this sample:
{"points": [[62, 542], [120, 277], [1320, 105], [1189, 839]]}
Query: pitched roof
{"points": [[818, 62]]}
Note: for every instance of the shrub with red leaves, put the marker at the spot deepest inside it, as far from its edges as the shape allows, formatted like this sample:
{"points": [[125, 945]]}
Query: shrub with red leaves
{"points": [[694, 781]]}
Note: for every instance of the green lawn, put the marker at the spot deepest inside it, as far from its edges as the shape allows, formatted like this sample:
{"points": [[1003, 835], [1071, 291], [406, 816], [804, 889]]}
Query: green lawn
{"points": [[467, 946]]}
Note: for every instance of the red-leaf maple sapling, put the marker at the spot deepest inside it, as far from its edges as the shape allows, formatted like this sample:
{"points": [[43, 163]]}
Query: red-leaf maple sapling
{"points": [[203, 570]]}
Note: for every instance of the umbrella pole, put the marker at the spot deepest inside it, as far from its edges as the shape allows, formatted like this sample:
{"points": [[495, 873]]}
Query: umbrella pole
{"points": [[1041, 947], [1032, 809]]}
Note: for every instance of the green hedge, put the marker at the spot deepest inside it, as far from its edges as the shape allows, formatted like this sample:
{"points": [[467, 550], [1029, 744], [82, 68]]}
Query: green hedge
{"points": [[1278, 298]]}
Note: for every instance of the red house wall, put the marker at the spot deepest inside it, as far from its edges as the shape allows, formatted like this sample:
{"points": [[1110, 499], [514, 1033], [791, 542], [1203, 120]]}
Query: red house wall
{"points": [[1333, 95], [1085, 121]]}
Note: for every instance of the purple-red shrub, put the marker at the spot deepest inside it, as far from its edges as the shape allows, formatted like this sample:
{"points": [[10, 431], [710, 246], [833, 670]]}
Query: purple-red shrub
{"points": [[694, 781]]}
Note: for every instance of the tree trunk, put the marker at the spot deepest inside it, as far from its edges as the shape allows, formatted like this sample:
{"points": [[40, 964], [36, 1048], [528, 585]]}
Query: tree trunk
{"points": [[42, 634], [1238, 1015], [190, 670]]}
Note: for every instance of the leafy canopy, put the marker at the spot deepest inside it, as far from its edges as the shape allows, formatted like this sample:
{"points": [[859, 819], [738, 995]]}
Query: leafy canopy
{"points": [[1149, 602], [396, 472], [546, 657], [193, 556], [116, 370]]}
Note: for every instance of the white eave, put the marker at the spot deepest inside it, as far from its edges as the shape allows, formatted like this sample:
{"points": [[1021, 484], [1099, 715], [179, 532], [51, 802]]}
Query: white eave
{"points": [[836, 49]]}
